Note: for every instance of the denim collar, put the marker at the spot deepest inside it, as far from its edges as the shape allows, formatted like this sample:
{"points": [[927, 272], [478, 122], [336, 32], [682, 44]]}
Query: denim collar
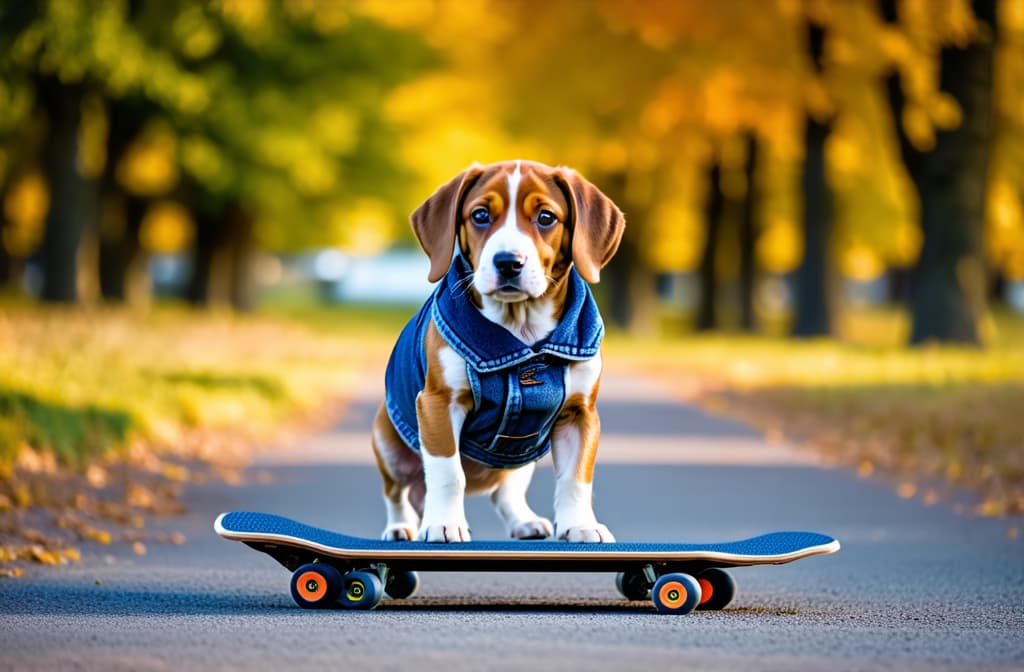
{"points": [[487, 346]]}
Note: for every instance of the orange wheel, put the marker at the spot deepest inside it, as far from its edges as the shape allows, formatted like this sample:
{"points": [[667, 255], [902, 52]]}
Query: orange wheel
{"points": [[706, 591], [721, 589], [315, 586], [676, 593]]}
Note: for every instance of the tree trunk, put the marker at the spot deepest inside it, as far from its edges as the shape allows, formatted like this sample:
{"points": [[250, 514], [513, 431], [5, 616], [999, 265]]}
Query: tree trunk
{"points": [[119, 245], [997, 288], [625, 273], [6, 260], [222, 258], [72, 197], [748, 239], [240, 243], [813, 313], [948, 284], [706, 308], [615, 285], [205, 244], [899, 286], [119, 249], [629, 286]]}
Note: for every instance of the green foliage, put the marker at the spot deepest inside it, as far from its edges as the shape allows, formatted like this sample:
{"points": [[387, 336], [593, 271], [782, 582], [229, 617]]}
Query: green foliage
{"points": [[274, 105], [75, 435]]}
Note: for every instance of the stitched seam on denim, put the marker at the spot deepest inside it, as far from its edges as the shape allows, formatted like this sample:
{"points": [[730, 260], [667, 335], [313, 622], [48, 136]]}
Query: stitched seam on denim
{"points": [[405, 430], [488, 459], [507, 414]]}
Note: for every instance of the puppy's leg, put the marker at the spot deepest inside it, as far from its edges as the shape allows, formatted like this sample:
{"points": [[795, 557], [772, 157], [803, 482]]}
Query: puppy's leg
{"points": [[509, 500], [401, 471], [441, 410], [574, 449]]}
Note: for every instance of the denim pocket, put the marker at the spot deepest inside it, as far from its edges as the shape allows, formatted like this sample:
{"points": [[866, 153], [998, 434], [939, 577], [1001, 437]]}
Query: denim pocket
{"points": [[514, 413]]}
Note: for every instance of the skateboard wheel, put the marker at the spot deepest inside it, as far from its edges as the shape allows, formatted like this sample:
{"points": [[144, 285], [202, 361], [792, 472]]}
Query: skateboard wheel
{"points": [[675, 594], [315, 585], [360, 590], [717, 588], [401, 585], [633, 585]]}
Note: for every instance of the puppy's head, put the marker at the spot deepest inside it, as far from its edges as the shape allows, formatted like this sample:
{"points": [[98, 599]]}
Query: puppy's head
{"points": [[520, 224]]}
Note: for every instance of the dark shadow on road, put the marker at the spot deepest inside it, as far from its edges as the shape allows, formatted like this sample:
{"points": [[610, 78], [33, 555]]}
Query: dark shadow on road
{"points": [[72, 601]]}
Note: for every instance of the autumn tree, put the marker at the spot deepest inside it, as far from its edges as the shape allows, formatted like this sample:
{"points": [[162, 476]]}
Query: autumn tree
{"points": [[67, 58], [943, 98], [258, 117], [813, 312]]}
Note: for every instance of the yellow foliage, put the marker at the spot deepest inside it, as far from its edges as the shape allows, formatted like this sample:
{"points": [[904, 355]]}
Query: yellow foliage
{"points": [[1004, 232], [365, 227], [611, 156], [149, 166], [97, 535], [859, 261], [44, 556], [314, 174], [918, 127], [680, 233], [337, 128], [251, 14], [780, 246], [25, 208], [945, 111], [167, 227], [198, 36], [204, 160], [450, 125], [1011, 17], [402, 14], [92, 137], [905, 245]]}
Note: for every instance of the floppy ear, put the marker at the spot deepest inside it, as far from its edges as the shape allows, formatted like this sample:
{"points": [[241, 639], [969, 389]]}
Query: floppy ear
{"points": [[437, 219], [597, 224]]}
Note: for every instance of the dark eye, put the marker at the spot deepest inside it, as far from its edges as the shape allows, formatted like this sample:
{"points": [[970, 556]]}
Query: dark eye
{"points": [[481, 216], [546, 219]]}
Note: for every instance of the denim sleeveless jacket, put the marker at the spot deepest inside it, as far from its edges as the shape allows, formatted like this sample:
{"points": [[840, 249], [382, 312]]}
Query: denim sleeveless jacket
{"points": [[518, 390]]}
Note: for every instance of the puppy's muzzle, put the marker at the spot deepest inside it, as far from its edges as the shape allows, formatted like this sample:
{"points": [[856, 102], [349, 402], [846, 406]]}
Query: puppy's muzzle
{"points": [[508, 264]]}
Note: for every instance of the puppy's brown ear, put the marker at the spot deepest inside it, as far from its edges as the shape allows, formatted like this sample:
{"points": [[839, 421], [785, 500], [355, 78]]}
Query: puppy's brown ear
{"points": [[437, 219], [597, 224]]}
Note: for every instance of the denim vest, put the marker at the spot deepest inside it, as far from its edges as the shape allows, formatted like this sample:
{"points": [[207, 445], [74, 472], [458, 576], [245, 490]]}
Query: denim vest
{"points": [[518, 390]]}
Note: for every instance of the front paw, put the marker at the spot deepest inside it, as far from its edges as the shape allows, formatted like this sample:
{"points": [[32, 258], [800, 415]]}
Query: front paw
{"points": [[442, 533], [538, 528], [398, 533], [591, 533]]}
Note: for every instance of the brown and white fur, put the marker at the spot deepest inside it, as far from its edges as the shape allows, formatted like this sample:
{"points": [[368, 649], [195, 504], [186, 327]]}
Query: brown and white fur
{"points": [[424, 493]]}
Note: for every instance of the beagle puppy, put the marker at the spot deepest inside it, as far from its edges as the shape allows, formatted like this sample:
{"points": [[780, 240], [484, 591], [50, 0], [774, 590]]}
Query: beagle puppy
{"points": [[502, 363]]}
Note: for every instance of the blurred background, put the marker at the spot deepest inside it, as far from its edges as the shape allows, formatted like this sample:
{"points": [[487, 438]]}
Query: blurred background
{"points": [[204, 235], [781, 164]]}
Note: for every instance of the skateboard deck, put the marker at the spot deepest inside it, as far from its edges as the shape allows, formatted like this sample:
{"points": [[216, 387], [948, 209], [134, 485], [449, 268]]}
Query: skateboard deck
{"points": [[641, 565]]}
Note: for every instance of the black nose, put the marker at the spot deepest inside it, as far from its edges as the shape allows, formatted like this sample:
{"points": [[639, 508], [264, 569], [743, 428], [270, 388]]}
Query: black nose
{"points": [[509, 264]]}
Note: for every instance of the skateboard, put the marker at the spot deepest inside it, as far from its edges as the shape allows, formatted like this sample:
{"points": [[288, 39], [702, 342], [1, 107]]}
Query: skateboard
{"points": [[331, 569]]}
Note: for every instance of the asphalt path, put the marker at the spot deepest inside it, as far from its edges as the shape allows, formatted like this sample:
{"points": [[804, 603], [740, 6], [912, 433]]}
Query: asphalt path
{"points": [[914, 586]]}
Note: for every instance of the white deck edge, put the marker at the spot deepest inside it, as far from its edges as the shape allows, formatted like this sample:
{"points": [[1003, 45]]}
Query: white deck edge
{"points": [[446, 552]]}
